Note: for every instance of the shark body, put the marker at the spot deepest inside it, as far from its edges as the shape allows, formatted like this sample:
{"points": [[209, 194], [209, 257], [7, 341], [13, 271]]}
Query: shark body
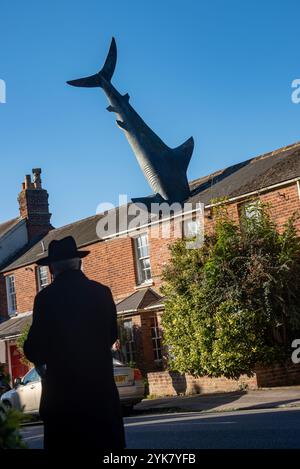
{"points": [[164, 167]]}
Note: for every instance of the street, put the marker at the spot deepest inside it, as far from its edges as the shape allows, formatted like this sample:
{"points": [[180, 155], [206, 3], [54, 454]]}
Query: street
{"points": [[252, 429]]}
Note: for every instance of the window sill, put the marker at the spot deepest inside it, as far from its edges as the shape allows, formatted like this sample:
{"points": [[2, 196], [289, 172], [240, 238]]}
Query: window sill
{"points": [[149, 283], [12, 314]]}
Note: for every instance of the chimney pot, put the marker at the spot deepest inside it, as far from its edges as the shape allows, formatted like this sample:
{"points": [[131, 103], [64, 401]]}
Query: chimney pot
{"points": [[27, 181], [37, 178]]}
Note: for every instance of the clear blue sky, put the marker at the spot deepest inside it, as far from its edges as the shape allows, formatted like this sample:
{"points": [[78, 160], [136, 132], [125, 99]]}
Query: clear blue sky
{"points": [[218, 70]]}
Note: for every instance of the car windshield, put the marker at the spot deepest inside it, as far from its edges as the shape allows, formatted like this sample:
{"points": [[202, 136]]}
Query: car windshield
{"points": [[31, 376]]}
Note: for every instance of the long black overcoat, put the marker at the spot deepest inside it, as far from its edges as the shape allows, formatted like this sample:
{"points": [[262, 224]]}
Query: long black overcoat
{"points": [[74, 326]]}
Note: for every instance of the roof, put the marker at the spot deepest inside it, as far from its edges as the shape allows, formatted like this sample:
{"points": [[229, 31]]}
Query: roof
{"points": [[249, 176], [157, 304], [137, 300], [242, 178], [83, 231], [15, 325], [7, 225]]}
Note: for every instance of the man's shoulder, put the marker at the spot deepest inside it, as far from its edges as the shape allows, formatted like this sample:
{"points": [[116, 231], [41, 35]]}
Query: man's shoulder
{"points": [[100, 287], [101, 290], [44, 292]]}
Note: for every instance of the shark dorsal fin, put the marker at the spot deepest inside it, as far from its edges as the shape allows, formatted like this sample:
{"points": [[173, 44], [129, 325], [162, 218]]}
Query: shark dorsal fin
{"points": [[183, 153]]}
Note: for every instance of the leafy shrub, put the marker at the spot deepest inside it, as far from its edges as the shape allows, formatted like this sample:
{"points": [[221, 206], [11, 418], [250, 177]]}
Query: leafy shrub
{"points": [[10, 420], [234, 302]]}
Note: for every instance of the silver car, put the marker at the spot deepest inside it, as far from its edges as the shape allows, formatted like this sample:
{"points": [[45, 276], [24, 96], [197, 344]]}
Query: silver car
{"points": [[26, 394]]}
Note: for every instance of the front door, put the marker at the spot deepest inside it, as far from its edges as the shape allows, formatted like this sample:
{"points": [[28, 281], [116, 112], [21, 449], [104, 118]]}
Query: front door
{"points": [[18, 369]]}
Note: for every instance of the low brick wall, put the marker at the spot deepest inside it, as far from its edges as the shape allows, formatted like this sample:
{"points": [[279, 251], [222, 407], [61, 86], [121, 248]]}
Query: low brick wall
{"points": [[278, 375], [166, 383]]}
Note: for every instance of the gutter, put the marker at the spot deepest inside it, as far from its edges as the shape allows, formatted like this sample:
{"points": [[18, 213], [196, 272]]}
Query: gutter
{"points": [[231, 199], [156, 222], [258, 191], [158, 306], [9, 337]]}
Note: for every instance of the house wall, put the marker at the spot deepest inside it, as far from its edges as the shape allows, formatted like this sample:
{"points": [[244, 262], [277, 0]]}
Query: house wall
{"points": [[112, 262], [284, 203], [166, 383]]}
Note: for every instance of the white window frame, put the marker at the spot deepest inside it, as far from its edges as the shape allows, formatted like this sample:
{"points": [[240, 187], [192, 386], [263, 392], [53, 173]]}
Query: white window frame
{"points": [[141, 271], [191, 227], [250, 209], [40, 283], [11, 294], [156, 337], [129, 349]]}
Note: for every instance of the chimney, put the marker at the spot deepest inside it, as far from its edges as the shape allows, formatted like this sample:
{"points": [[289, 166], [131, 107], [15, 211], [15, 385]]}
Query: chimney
{"points": [[33, 205]]}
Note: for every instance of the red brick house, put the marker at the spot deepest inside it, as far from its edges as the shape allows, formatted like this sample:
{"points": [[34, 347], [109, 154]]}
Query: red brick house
{"points": [[132, 265], [16, 237]]}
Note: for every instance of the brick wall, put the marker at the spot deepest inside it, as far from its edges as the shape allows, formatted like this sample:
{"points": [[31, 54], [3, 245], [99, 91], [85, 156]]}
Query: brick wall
{"points": [[145, 359], [159, 242], [26, 288], [278, 375], [165, 383], [34, 207], [284, 202], [112, 263]]}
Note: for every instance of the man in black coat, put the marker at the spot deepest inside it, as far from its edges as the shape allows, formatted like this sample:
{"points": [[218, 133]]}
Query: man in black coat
{"points": [[74, 327]]}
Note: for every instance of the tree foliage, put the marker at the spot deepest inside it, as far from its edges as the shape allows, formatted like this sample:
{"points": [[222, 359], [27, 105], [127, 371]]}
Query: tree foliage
{"points": [[20, 344], [234, 302], [10, 420], [4, 376]]}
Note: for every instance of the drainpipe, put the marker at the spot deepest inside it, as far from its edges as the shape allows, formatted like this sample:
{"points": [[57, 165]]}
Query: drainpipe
{"points": [[9, 363], [298, 187]]}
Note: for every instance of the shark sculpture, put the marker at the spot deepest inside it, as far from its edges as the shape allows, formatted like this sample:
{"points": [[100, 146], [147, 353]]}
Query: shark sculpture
{"points": [[164, 167]]}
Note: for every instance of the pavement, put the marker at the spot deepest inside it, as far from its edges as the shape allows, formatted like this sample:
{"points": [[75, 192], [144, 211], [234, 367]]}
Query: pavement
{"points": [[264, 398]]}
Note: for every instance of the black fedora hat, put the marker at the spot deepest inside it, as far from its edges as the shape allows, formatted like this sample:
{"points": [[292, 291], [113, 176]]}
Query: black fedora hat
{"points": [[62, 249]]}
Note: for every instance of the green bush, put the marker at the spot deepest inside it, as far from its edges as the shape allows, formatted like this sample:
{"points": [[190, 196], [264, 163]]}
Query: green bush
{"points": [[234, 302], [20, 344], [10, 420]]}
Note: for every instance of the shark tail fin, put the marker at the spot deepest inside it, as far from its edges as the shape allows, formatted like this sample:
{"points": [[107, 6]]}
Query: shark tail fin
{"points": [[106, 72], [110, 63], [183, 153]]}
